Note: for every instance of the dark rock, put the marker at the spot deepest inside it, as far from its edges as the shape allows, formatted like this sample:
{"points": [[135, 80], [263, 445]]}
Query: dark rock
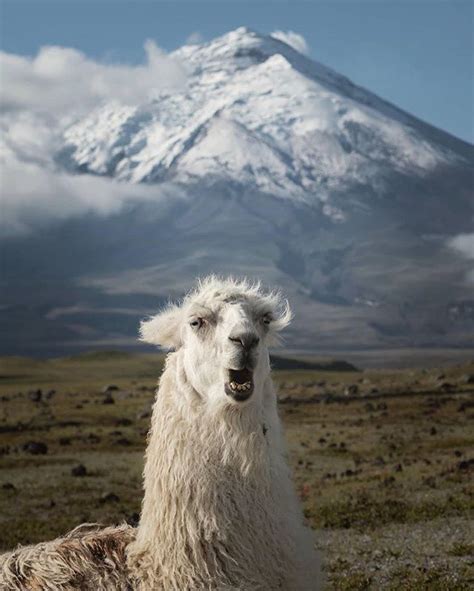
{"points": [[145, 413], [133, 519], [108, 399], [109, 388], [109, 497], [468, 379], [35, 395], [49, 394], [8, 486], [433, 431], [398, 468], [123, 441], [457, 453], [322, 440], [35, 448], [466, 405], [79, 470], [123, 422], [351, 390], [447, 387], [465, 465]]}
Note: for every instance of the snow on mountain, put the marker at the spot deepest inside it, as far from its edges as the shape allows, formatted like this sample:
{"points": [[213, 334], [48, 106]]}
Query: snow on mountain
{"points": [[284, 170], [257, 112]]}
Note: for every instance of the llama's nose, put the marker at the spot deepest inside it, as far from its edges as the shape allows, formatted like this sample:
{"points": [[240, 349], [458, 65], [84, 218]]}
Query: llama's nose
{"points": [[247, 340]]}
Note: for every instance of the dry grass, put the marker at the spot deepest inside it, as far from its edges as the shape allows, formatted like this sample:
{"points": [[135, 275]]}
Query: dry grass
{"points": [[384, 475]]}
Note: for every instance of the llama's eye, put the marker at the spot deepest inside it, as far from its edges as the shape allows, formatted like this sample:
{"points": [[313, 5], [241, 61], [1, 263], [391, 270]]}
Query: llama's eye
{"points": [[197, 322], [267, 319]]}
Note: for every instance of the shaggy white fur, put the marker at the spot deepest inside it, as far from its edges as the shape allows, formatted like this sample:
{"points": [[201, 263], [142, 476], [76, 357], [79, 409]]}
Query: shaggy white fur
{"points": [[219, 510]]}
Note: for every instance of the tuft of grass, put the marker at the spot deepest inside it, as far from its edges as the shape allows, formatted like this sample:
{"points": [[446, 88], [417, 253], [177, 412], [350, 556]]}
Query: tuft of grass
{"points": [[461, 549], [431, 579], [352, 582], [367, 512]]}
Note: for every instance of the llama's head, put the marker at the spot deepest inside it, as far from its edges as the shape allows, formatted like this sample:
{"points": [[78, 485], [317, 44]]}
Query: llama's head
{"points": [[222, 330]]}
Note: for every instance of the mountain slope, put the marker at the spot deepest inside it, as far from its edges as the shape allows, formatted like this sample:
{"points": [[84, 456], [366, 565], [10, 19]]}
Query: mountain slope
{"points": [[282, 170]]}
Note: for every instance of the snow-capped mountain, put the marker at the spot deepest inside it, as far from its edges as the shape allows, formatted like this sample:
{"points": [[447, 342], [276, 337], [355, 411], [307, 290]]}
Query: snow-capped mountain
{"points": [[282, 169]]}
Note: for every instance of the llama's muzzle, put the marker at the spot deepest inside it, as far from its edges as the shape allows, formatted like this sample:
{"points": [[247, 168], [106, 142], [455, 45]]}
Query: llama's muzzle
{"points": [[240, 384]]}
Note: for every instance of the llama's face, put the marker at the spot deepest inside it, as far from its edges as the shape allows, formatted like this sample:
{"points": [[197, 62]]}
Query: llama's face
{"points": [[223, 336], [225, 349]]}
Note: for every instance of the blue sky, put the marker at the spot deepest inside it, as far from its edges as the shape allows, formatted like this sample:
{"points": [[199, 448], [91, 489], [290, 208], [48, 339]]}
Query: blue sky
{"points": [[416, 53]]}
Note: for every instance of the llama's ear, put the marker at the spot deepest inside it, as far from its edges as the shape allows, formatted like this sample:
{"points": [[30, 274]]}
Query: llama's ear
{"points": [[163, 329], [283, 318]]}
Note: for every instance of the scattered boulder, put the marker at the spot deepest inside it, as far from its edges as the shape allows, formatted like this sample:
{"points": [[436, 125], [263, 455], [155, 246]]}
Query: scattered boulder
{"points": [[465, 465], [351, 390], [124, 422], [133, 519], [145, 413], [8, 486], [49, 394], [35, 448], [447, 387], [35, 395], [109, 497], [109, 388], [93, 438], [108, 399], [468, 379], [79, 470]]}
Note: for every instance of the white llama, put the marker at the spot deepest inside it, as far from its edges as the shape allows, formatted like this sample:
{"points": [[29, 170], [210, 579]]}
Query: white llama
{"points": [[219, 510]]}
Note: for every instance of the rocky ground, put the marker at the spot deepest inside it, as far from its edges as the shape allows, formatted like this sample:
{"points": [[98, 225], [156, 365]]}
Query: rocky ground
{"points": [[383, 460]]}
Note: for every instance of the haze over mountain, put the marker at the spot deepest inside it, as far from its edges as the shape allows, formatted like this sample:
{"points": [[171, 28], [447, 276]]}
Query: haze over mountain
{"points": [[259, 162]]}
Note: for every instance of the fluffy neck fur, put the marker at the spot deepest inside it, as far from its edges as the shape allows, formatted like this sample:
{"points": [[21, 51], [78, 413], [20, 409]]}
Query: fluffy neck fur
{"points": [[218, 499]]}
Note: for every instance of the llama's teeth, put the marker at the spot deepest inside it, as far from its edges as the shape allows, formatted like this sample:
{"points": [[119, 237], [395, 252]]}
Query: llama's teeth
{"points": [[233, 385]]}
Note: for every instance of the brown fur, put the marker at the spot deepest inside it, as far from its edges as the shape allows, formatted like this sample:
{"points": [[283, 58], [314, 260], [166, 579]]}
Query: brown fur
{"points": [[87, 559]]}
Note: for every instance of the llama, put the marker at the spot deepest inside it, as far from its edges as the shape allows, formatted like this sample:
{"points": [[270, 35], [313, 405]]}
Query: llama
{"points": [[219, 509]]}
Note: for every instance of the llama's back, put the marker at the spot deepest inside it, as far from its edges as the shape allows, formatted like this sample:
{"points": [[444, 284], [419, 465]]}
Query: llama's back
{"points": [[89, 558]]}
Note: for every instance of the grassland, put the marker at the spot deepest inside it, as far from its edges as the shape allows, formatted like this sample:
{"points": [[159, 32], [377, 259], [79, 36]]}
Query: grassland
{"points": [[383, 460]]}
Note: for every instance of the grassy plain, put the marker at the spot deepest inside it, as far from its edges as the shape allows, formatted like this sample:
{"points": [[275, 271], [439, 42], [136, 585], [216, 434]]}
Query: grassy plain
{"points": [[383, 460]]}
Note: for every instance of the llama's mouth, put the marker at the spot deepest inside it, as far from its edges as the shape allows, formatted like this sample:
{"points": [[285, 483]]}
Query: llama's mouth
{"points": [[240, 384]]}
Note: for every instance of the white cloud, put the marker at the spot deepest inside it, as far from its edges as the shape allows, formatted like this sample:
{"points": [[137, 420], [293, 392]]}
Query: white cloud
{"points": [[464, 245], [293, 39], [39, 98], [59, 80], [33, 196]]}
